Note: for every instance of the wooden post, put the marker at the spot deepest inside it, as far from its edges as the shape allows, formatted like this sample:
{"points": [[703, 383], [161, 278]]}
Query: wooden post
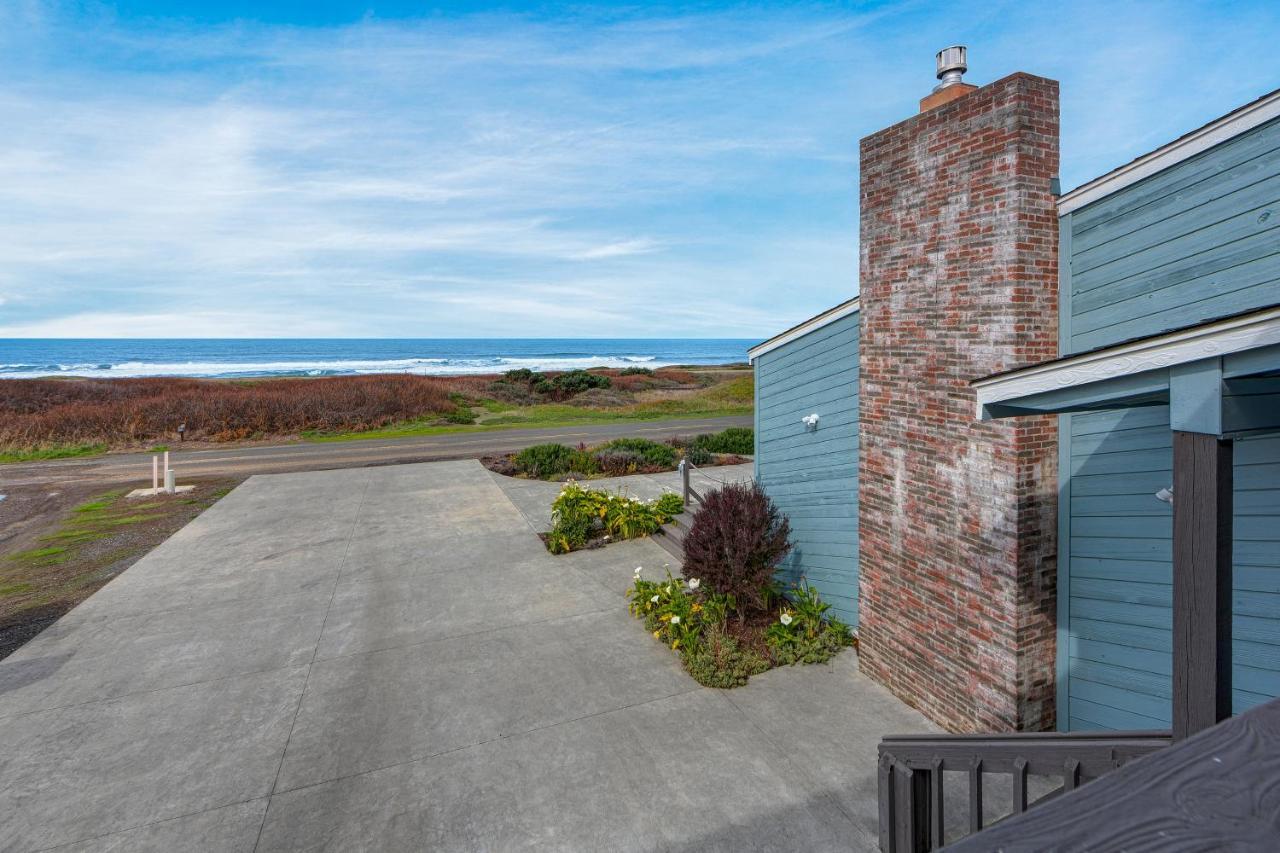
{"points": [[1202, 532], [684, 481]]}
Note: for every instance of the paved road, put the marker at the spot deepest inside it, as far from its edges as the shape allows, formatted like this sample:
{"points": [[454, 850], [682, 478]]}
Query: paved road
{"points": [[284, 458], [388, 659]]}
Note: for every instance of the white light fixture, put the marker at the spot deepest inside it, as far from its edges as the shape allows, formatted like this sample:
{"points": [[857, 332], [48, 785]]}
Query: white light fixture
{"points": [[1165, 495], [810, 421]]}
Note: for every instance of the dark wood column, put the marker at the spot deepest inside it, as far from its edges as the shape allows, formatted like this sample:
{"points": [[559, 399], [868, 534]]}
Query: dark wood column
{"points": [[1202, 529]]}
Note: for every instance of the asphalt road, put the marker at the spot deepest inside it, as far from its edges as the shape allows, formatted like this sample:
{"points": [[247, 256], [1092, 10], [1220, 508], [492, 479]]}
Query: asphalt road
{"points": [[277, 459]]}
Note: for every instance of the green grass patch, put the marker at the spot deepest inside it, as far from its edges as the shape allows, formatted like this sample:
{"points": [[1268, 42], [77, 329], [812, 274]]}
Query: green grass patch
{"points": [[734, 397], [62, 451], [47, 556]]}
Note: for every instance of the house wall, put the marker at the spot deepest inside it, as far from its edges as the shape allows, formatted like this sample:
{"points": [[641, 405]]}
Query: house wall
{"points": [[1191, 243], [1194, 242], [812, 475], [957, 519]]}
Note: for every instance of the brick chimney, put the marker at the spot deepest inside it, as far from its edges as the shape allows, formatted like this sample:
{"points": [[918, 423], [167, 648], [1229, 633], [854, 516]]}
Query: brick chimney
{"points": [[957, 518]]}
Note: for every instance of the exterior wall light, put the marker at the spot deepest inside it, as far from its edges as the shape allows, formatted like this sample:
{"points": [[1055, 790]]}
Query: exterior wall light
{"points": [[810, 421], [1165, 495]]}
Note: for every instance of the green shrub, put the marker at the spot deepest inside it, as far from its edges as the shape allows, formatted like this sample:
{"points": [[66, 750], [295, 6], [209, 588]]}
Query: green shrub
{"points": [[720, 661], [617, 463], [737, 440], [653, 454], [668, 505], [699, 455], [583, 462], [577, 512], [803, 632], [636, 371], [544, 460], [460, 415], [625, 518], [577, 381], [522, 375], [570, 533]]}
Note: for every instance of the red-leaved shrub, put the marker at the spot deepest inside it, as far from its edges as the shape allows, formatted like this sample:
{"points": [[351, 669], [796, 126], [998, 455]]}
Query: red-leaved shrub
{"points": [[735, 543]]}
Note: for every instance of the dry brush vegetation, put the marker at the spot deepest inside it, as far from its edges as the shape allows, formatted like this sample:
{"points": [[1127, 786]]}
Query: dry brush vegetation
{"points": [[47, 418], [42, 412]]}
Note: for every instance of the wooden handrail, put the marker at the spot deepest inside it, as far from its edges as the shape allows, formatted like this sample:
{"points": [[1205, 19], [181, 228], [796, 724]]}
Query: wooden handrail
{"points": [[686, 490]]}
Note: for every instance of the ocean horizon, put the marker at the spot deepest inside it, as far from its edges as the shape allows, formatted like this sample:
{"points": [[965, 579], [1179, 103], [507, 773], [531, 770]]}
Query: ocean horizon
{"points": [[223, 358]]}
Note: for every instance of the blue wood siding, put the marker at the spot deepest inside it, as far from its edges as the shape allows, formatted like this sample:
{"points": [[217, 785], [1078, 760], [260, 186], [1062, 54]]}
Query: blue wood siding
{"points": [[1194, 242], [1119, 656], [1197, 241], [813, 475]]}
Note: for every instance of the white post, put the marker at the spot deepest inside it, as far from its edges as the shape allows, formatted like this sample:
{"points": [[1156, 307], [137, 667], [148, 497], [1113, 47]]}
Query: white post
{"points": [[155, 473], [170, 484]]}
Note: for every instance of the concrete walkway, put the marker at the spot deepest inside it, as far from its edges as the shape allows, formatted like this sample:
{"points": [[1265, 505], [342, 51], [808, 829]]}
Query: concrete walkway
{"points": [[533, 497], [387, 659]]}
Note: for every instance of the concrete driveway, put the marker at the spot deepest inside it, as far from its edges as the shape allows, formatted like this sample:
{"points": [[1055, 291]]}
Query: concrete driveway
{"points": [[388, 659]]}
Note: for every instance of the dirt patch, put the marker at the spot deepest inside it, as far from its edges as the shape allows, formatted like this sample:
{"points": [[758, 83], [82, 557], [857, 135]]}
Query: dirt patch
{"points": [[58, 547]]}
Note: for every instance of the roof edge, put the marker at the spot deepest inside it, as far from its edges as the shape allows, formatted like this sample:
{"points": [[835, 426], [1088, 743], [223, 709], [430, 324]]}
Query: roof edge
{"points": [[844, 309], [1185, 147]]}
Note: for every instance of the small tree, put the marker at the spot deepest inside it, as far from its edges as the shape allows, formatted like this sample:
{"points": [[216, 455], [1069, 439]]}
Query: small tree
{"points": [[735, 543]]}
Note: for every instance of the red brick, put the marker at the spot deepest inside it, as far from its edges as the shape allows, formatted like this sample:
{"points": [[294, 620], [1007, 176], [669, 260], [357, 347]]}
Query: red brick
{"points": [[957, 518]]}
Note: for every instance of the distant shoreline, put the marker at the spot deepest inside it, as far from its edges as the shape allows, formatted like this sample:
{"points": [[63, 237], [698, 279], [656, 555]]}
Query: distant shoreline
{"points": [[262, 377], [261, 359]]}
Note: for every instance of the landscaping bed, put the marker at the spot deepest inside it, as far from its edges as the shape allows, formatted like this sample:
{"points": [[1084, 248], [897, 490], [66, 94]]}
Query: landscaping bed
{"points": [[588, 518], [623, 456], [727, 617]]}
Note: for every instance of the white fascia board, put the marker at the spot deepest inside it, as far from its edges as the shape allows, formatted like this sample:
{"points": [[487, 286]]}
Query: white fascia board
{"points": [[1185, 345], [811, 325], [1231, 125]]}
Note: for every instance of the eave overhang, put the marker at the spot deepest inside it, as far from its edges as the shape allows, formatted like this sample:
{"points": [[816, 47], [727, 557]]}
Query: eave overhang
{"points": [[844, 309], [1217, 377]]}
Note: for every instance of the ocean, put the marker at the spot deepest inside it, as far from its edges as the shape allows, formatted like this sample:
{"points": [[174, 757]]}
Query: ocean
{"points": [[223, 358]]}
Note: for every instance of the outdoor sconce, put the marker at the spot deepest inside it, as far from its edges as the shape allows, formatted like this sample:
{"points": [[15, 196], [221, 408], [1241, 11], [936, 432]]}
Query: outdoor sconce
{"points": [[1165, 495], [810, 421]]}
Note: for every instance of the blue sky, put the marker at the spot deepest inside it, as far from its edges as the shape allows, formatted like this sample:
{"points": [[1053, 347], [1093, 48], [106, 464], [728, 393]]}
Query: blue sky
{"points": [[262, 169]]}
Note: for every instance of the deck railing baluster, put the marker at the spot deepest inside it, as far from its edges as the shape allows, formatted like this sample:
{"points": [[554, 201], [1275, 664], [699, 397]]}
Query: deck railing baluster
{"points": [[975, 796], [912, 772], [1019, 785]]}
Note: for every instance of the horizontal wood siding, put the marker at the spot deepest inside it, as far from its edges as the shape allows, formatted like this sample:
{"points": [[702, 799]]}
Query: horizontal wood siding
{"points": [[1119, 655], [813, 475], [1197, 241]]}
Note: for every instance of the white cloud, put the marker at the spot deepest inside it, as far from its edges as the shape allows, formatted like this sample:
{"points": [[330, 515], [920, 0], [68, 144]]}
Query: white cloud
{"points": [[612, 173]]}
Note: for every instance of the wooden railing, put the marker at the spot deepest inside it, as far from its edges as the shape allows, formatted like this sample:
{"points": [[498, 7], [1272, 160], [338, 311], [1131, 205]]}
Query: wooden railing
{"points": [[912, 771], [686, 490]]}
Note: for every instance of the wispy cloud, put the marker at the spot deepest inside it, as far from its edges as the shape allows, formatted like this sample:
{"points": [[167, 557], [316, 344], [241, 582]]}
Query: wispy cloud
{"points": [[606, 172]]}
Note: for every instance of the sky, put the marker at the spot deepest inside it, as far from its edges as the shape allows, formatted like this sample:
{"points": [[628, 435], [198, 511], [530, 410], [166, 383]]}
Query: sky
{"points": [[312, 169]]}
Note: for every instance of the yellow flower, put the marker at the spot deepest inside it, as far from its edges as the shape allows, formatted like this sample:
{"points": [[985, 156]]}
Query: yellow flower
{"points": [[657, 633], [665, 617], [697, 608], [675, 645]]}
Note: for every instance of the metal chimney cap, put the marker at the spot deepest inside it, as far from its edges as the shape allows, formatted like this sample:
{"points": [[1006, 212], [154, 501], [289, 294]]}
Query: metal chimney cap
{"points": [[952, 63]]}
